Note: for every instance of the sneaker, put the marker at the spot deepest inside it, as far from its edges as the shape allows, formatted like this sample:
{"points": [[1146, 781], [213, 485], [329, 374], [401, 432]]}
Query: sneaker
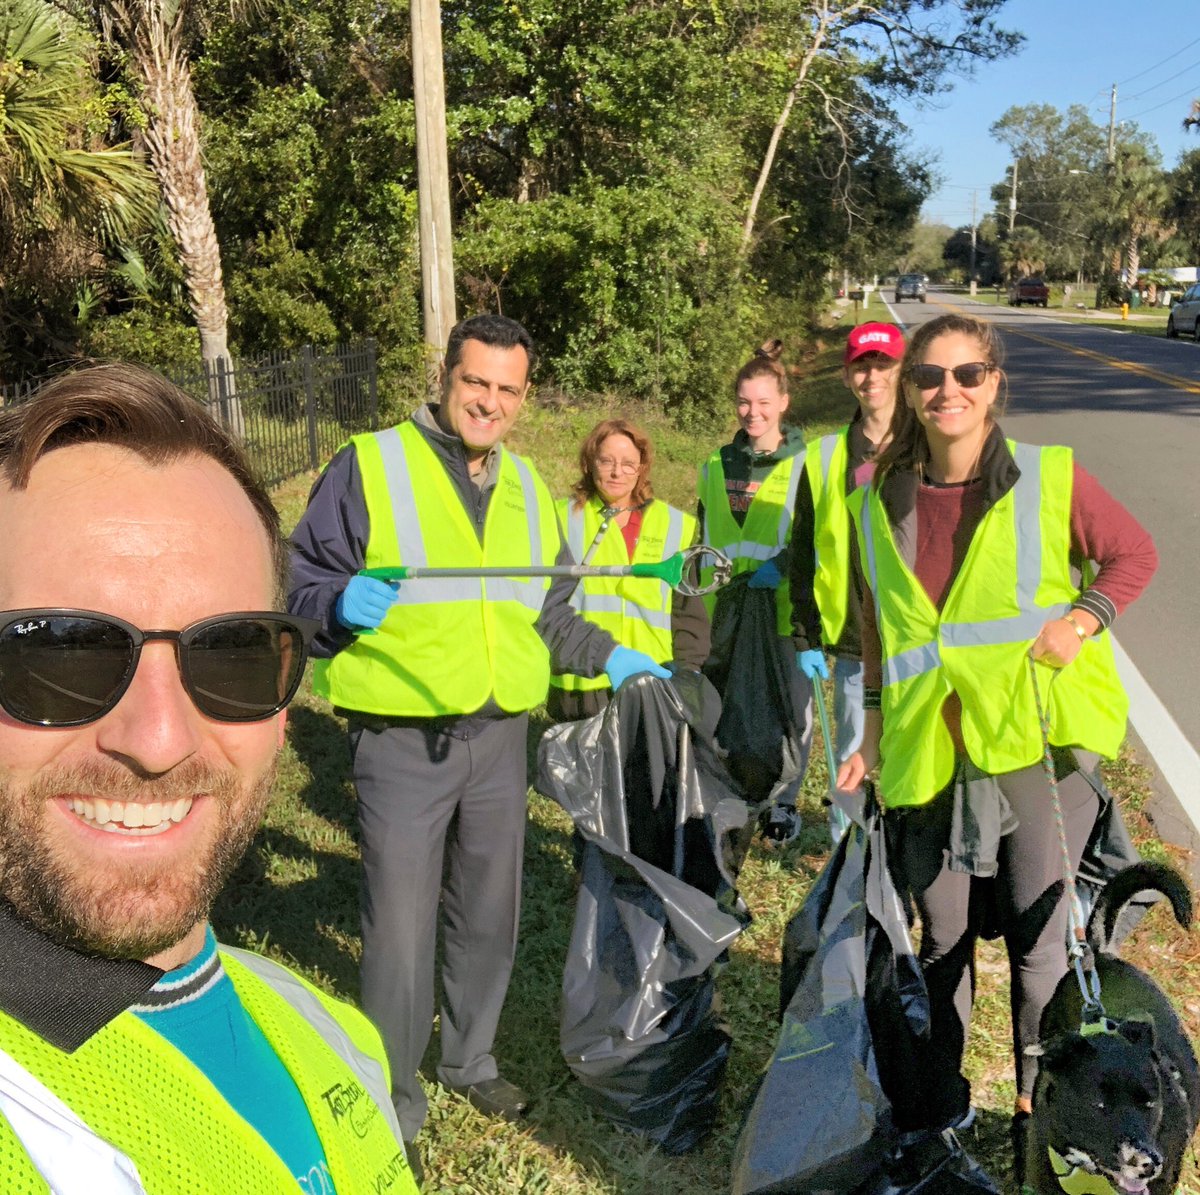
{"points": [[782, 824]]}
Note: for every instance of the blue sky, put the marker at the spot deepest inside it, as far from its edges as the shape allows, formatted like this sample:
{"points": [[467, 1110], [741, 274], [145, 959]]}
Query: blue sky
{"points": [[1074, 52]]}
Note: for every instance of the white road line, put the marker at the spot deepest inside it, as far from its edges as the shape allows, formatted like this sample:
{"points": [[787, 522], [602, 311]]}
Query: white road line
{"points": [[892, 312], [1175, 757]]}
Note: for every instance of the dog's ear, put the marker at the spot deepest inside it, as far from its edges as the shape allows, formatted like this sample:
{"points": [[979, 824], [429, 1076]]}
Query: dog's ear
{"points": [[1138, 1031]]}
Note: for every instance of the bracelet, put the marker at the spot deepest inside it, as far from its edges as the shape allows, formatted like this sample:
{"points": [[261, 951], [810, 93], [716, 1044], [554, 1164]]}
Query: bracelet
{"points": [[1069, 617]]}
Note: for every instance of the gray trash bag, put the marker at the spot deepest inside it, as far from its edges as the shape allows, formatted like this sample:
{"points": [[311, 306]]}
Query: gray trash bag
{"points": [[764, 728], [855, 1012], [657, 906]]}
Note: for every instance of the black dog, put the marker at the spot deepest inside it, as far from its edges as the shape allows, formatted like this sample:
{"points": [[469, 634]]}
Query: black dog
{"points": [[1115, 1104]]}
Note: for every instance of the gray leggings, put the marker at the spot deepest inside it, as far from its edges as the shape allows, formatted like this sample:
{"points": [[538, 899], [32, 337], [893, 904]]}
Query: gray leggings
{"points": [[1032, 908]]}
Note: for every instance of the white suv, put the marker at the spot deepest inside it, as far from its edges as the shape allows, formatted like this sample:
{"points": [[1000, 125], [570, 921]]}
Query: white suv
{"points": [[1185, 315]]}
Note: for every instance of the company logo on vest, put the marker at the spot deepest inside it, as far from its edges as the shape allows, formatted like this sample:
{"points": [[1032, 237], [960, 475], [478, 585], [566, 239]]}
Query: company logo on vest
{"points": [[351, 1101]]}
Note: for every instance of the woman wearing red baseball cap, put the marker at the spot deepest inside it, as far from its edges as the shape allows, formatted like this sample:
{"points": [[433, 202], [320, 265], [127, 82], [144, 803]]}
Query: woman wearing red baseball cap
{"points": [[826, 607]]}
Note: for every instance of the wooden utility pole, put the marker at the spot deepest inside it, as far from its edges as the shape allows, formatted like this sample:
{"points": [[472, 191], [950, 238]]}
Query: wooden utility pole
{"points": [[1112, 126], [1012, 199], [433, 178], [971, 271]]}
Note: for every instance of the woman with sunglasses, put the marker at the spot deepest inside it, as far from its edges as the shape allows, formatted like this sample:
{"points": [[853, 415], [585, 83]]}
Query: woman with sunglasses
{"points": [[969, 544], [612, 517], [747, 491]]}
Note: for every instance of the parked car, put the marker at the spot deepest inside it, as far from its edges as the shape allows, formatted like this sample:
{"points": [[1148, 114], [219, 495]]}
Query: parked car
{"points": [[1185, 314], [910, 286], [1029, 290]]}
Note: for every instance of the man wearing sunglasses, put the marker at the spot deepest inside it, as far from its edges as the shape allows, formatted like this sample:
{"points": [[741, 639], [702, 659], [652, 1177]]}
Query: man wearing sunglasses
{"points": [[144, 671], [437, 696]]}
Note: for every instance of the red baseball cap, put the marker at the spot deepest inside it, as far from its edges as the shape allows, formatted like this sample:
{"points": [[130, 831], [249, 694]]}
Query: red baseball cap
{"points": [[874, 338]]}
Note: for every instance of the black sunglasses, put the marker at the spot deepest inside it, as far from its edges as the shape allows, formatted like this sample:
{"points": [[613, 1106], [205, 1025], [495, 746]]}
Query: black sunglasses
{"points": [[929, 377], [70, 667]]}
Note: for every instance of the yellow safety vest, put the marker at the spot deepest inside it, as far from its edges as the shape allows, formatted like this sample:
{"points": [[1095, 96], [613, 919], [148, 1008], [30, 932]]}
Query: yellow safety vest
{"points": [[448, 645], [825, 463], [764, 534], [1015, 577], [636, 611], [150, 1122]]}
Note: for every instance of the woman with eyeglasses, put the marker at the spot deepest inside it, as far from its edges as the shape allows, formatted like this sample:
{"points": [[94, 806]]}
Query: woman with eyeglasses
{"points": [[747, 491], [970, 545], [613, 517]]}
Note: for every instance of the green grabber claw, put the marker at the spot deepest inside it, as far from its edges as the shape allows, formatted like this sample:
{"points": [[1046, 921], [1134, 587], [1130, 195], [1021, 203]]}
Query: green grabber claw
{"points": [[396, 572]]}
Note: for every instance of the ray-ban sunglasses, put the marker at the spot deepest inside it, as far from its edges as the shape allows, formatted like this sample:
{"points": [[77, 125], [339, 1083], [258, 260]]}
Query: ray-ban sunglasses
{"points": [[929, 377], [61, 667]]}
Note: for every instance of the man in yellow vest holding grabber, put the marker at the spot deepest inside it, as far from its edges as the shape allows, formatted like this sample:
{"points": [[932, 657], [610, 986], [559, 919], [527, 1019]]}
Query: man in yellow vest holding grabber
{"points": [[437, 696], [144, 671]]}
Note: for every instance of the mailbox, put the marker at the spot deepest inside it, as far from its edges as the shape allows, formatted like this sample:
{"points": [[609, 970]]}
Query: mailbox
{"points": [[856, 296]]}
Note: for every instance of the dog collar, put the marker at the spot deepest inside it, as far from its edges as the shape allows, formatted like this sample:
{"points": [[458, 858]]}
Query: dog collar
{"points": [[1074, 1180]]}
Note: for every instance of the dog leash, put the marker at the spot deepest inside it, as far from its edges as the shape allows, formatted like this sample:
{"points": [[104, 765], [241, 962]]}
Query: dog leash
{"points": [[1077, 947]]}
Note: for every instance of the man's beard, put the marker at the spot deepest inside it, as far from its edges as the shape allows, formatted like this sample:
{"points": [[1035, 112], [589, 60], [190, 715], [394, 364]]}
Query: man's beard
{"points": [[131, 911]]}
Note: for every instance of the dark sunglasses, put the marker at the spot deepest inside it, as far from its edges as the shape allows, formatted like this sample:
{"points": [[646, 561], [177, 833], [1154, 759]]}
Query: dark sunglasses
{"points": [[70, 667], [929, 377]]}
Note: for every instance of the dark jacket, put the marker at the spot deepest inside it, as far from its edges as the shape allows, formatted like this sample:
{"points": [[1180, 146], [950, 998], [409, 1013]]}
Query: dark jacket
{"points": [[806, 618], [741, 464], [329, 547]]}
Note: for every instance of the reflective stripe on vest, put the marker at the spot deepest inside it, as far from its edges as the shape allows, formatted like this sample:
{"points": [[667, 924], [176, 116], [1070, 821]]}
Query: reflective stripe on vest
{"points": [[448, 645], [530, 592], [765, 532], [104, 1103], [636, 611], [1015, 578], [825, 463]]}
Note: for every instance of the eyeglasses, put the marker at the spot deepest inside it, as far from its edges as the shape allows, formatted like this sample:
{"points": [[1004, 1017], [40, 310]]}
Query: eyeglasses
{"points": [[929, 377], [608, 463], [70, 667]]}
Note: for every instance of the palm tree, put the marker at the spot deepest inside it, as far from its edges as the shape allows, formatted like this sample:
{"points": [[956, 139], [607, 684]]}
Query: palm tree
{"points": [[154, 34], [1138, 206], [62, 195]]}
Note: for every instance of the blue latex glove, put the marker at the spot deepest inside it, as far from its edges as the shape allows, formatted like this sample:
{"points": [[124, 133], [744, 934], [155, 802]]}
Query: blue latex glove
{"points": [[766, 576], [624, 662], [364, 603], [812, 664]]}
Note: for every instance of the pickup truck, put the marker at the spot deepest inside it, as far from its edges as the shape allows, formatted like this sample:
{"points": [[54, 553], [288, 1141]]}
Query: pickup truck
{"points": [[1029, 290]]}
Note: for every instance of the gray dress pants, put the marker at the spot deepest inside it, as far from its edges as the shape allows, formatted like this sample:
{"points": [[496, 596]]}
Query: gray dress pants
{"points": [[440, 817]]}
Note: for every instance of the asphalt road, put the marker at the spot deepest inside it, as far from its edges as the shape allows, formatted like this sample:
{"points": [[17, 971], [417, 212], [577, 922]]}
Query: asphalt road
{"points": [[1130, 407]]}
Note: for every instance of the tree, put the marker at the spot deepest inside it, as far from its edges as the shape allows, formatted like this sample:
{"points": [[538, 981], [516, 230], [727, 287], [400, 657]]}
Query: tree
{"points": [[906, 47], [1182, 209], [155, 37], [64, 195], [1060, 179], [1140, 197]]}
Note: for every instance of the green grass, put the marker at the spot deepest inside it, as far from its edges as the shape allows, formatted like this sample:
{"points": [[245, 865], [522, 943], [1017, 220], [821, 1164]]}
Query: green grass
{"points": [[295, 897]]}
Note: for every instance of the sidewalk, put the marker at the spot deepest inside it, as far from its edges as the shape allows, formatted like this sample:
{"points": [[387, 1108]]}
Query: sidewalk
{"points": [[1077, 311]]}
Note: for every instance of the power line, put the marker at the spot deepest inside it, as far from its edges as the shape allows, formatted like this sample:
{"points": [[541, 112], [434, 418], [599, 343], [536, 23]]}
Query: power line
{"points": [[1122, 82], [1161, 83], [1191, 91]]}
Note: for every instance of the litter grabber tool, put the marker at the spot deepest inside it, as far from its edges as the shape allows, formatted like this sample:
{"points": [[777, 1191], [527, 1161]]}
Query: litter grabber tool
{"points": [[681, 571], [823, 716], [834, 797]]}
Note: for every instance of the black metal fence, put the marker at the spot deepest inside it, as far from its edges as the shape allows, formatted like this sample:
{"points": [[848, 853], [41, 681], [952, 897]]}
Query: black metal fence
{"points": [[294, 409], [291, 409]]}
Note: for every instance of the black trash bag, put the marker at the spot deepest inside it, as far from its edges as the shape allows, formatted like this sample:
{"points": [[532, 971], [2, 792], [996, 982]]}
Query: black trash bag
{"points": [[855, 1012], [764, 730], [657, 906]]}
